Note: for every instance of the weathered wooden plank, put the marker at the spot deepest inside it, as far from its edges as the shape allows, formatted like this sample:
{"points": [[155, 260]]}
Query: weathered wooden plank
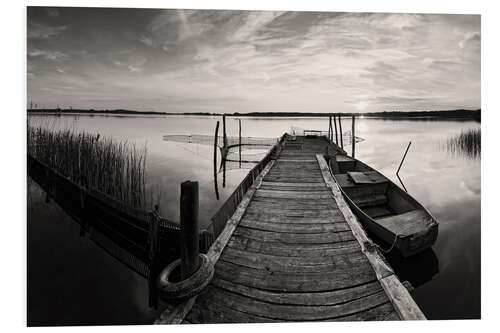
{"points": [[297, 228], [294, 188], [293, 250], [374, 314], [312, 203], [206, 311], [296, 281], [403, 303], [301, 298], [271, 214], [293, 238], [292, 179], [292, 194], [293, 264], [176, 314], [293, 312], [282, 184]]}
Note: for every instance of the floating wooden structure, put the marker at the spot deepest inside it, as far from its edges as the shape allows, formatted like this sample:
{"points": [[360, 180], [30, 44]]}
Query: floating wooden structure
{"points": [[290, 249]]}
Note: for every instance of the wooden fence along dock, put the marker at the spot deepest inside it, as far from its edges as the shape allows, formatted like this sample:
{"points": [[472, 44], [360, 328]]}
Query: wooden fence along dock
{"points": [[293, 251]]}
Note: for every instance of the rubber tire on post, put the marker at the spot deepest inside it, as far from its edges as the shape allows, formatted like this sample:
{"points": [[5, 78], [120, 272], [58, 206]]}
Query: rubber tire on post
{"points": [[189, 287]]}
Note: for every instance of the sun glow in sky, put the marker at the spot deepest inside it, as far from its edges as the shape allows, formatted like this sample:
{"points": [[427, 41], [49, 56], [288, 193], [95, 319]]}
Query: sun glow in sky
{"points": [[221, 61]]}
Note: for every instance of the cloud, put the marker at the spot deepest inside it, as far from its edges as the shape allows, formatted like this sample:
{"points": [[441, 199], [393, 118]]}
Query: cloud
{"points": [[48, 55], [470, 38], [40, 31], [147, 41], [134, 69], [53, 12], [59, 70], [258, 60]]}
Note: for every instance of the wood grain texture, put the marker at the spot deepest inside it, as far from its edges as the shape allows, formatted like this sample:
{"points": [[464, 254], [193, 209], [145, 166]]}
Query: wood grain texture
{"points": [[399, 296], [291, 253]]}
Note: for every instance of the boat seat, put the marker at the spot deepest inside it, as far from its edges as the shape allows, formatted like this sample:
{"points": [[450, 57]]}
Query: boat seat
{"points": [[367, 177], [377, 211], [408, 223], [345, 163], [370, 200]]}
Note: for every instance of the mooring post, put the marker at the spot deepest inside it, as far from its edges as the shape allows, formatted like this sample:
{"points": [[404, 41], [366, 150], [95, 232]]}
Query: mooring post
{"points": [[340, 130], [336, 135], [215, 160], [190, 247], [353, 137]]}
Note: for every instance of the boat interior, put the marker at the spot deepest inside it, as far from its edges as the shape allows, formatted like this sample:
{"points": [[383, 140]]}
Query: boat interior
{"points": [[379, 198]]}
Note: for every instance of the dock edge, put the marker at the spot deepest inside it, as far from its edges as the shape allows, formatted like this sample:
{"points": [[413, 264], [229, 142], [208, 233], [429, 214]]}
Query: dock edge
{"points": [[403, 302]]}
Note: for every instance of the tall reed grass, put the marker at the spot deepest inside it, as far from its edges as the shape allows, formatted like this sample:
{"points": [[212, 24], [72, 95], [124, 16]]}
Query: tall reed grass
{"points": [[467, 143], [114, 168]]}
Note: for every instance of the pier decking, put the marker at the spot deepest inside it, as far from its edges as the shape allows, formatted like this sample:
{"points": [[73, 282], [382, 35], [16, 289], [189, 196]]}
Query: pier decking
{"points": [[293, 251]]}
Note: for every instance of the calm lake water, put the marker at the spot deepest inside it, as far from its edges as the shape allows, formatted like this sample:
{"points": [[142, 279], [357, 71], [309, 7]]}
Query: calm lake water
{"points": [[71, 281]]}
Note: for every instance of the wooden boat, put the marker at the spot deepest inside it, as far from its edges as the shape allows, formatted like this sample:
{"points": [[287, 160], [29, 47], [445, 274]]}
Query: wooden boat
{"points": [[384, 208]]}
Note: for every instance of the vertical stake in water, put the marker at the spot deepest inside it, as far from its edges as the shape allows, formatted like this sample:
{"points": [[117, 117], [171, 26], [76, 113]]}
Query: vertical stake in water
{"points": [[190, 247], [353, 137], [340, 130], [239, 123], [224, 131], [329, 127], [215, 160], [336, 135]]}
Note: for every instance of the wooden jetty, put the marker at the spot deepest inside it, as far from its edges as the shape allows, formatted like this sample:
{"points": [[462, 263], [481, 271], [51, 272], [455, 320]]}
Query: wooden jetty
{"points": [[293, 251]]}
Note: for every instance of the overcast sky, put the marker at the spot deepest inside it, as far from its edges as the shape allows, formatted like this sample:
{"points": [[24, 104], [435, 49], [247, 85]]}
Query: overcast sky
{"points": [[227, 61]]}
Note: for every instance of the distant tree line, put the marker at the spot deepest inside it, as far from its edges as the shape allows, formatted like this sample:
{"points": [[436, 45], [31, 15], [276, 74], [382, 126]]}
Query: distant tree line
{"points": [[457, 114]]}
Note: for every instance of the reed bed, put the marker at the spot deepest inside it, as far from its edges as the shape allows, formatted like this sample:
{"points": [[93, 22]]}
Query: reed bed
{"points": [[467, 143], [114, 168]]}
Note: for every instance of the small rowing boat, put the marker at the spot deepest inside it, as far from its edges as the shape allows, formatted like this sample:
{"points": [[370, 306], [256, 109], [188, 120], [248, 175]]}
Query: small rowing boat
{"points": [[383, 208]]}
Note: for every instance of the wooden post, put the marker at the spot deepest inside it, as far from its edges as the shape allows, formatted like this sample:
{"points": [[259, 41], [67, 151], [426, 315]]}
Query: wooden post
{"points": [[336, 135], [329, 127], [239, 123], [224, 130], [190, 247], [215, 160], [340, 130], [353, 137]]}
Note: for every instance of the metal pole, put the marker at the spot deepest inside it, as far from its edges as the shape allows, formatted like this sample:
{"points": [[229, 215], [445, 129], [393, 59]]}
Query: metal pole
{"points": [[404, 156], [239, 123], [353, 137], [190, 247]]}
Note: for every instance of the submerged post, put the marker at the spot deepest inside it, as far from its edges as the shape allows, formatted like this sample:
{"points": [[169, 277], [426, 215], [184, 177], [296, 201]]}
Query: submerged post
{"points": [[336, 135], [340, 130], [190, 248], [353, 137]]}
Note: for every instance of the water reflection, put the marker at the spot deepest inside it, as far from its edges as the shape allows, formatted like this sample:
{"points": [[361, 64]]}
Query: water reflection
{"points": [[108, 292]]}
